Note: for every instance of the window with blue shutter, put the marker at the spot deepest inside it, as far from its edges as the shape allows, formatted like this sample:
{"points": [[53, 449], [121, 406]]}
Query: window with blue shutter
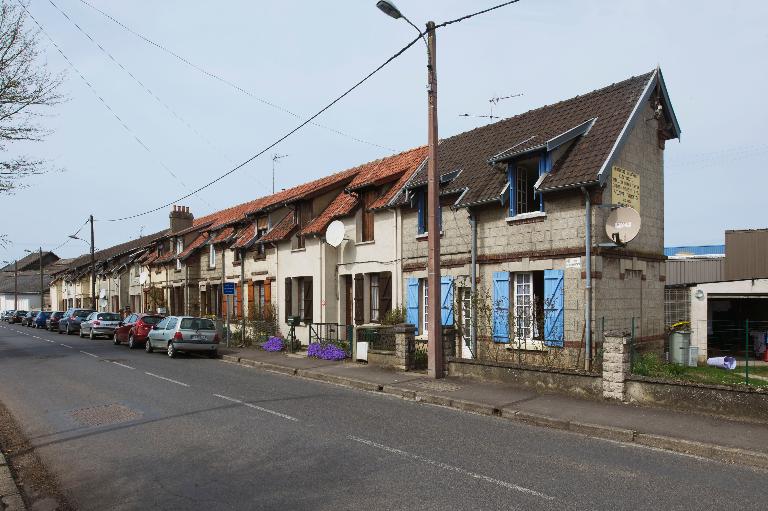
{"points": [[522, 176], [421, 202], [446, 300], [545, 165], [412, 303], [554, 320], [501, 306]]}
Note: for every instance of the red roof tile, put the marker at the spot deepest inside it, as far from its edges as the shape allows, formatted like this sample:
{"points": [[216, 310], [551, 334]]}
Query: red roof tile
{"points": [[342, 205], [245, 237], [223, 236], [388, 169], [280, 231], [196, 243]]}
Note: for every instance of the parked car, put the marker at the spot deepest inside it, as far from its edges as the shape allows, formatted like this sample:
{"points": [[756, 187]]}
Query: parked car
{"points": [[41, 319], [99, 324], [183, 333], [29, 318], [7, 315], [52, 323], [17, 316], [135, 328], [70, 322]]}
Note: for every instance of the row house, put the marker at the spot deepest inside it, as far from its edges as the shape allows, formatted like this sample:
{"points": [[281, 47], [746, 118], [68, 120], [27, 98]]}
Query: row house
{"points": [[517, 199]]}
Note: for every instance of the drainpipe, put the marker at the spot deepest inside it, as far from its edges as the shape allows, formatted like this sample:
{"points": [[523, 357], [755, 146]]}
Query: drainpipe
{"points": [[473, 280], [242, 294], [588, 287]]}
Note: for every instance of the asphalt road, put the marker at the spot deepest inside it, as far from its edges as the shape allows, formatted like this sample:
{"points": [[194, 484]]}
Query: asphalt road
{"points": [[127, 430]]}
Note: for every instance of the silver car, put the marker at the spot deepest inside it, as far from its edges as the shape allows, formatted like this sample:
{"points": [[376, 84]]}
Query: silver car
{"points": [[183, 333], [100, 324]]}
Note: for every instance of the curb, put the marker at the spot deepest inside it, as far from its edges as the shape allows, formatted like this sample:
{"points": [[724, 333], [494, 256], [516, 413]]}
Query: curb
{"points": [[616, 434], [10, 497]]}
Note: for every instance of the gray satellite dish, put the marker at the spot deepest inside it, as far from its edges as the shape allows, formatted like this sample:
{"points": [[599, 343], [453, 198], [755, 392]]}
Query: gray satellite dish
{"points": [[334, 234], [622, 225], [143, 276]]}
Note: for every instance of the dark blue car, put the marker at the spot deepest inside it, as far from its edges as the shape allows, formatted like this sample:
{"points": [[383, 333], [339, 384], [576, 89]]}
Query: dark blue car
{"points": [[40, 319]]}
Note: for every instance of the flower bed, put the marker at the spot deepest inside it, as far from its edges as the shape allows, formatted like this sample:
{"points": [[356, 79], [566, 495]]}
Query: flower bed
{"points": [[273, 344], [325, 352]]}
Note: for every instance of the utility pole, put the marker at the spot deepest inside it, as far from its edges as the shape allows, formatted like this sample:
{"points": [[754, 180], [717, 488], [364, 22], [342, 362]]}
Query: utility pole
{"points": [[93, 269], [42, 290], [435, 331], [16, 284]]}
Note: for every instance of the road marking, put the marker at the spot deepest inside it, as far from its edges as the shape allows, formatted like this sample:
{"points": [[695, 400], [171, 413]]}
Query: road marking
{"points": [[65, 345], [259, 408], [122, 365], [89, 354], [167, 379], [445, 466]]}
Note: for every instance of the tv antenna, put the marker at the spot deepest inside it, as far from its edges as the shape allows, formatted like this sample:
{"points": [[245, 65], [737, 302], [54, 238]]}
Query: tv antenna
{"points": [[493, 102], [275, 157]]}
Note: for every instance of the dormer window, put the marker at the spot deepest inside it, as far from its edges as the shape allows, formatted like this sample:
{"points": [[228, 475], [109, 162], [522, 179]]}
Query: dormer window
{"points": [[522, 176], [423, 206], [262, 226], [211, 256], [302, 216]]}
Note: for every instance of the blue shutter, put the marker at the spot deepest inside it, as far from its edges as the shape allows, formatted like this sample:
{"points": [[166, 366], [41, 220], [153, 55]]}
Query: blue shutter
{"points": [[422, 216], [553, 308], [446, 300], [512, 182], [545, 165], [501, 306], [412, 303]]}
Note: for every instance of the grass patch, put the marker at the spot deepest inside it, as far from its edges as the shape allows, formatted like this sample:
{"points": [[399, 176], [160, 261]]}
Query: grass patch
{"points": [[651, 365]]}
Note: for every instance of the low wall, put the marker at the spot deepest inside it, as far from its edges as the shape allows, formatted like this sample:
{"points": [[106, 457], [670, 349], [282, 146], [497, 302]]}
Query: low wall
{"points": [[383, 359], [726, 400], [567, 381]]}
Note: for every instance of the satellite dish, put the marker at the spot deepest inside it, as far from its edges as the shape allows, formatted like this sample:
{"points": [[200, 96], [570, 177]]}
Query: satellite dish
{"points": [[102, 293], [334, 234], [622, 225], [143, 276], [103, 302]]}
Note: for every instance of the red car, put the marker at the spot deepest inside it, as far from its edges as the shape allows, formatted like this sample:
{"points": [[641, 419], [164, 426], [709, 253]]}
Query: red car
{"points": [[135, 328]]}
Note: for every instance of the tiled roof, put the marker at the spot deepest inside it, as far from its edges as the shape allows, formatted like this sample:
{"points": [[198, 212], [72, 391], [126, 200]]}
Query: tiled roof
{"points": [[28, 281], [246, 236], [225, 235], [280, 231], [114, 251], [387, 169], [342, 205], [29, 262], [196, 243], [470, 152]]}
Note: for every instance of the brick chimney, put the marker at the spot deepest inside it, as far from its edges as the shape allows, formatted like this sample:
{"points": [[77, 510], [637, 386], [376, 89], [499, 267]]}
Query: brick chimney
{"points": [[180, 218]]}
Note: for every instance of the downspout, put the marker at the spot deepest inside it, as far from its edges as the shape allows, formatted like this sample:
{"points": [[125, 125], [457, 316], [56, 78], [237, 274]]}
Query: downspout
{"points": [[588, 287], [242, 295], [396, 277], [473, 283], [187, 309], [321, 246]]}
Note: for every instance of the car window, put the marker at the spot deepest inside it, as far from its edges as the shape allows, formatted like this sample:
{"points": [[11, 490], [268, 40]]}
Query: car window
{"points": [[130, 319], [151, 320], [162, 324], [108, 316], [82, 314], [197, 324], [171, 323]]}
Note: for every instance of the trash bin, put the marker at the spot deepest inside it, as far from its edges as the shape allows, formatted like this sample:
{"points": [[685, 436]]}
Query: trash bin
{"points": [[679, 344]]}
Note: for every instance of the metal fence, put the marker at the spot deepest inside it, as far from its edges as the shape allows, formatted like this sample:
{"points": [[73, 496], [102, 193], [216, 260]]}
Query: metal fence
{"points": [[379, 338]]}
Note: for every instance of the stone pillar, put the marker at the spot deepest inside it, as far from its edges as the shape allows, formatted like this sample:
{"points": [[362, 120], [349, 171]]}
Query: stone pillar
{"points": [[405, 346], [449, 345], [616, 366]]}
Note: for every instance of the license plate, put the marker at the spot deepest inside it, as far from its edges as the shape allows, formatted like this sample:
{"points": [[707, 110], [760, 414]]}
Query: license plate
{"points": [[197, 337]]}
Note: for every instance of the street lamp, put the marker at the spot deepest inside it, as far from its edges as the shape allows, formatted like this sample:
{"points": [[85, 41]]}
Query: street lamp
{"points": [[93, 264], [15, 283], [42, 290], [434, 327]]}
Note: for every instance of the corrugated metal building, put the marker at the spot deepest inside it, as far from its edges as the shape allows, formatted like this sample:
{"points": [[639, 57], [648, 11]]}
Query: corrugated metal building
{"points": [[695, 270], [746, 255]]}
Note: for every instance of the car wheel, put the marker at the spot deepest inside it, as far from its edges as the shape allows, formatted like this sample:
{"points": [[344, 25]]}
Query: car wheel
{"points": [[213, 354], [171, 350], [115, 340], [148, 346], [69, 332], [90, 334], [80, 333], [131, 342]]}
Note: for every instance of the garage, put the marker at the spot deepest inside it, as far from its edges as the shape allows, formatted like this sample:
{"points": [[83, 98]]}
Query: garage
{"points": [[729, 317]]}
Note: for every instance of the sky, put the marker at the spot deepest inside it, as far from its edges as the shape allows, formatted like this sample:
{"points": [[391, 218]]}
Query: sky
{"points": [[180, 128]]}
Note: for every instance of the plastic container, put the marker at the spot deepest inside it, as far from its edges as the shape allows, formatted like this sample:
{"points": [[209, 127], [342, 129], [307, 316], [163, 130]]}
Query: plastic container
{"points": [[722, 362], [679, 342]]}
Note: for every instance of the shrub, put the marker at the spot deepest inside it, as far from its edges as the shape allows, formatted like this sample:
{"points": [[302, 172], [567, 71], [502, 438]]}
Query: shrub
{"points": [[273, 344], [326, 352]]}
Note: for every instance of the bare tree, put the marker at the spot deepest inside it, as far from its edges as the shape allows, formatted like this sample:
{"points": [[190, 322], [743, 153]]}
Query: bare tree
{"points": [[27, 90]]}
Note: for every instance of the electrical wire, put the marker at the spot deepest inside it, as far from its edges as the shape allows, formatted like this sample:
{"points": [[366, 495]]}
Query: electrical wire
{"points": [[227, 82], [101, 99], [276, 142], [484, 11]]}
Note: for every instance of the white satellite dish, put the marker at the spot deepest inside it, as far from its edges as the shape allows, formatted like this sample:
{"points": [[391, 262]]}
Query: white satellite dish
{"points": [[334, 233], [102, 293], [103, 302], [143, 276], [622, 225]]}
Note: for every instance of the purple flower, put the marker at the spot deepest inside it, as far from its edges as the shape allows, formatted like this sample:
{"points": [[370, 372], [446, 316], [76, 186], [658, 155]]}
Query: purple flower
{"points": [[273, 344], [327, 352]]}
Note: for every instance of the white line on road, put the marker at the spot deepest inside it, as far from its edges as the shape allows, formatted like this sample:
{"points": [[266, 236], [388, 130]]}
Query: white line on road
{"points": [[167, 379], [259, 408], [89, 354], [458, 470], [65, 345], [122, 365]]}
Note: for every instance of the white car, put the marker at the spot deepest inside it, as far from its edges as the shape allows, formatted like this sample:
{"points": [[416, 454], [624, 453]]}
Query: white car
{"points": [[184, 333], [100, 324]]}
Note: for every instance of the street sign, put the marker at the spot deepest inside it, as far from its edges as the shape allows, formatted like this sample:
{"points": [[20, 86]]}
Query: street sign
{"points": [[229, 288]]}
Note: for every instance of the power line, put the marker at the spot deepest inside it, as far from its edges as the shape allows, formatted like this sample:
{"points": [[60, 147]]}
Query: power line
{"points": [[225, 81], [276, 142], [484, 11], [100, 98]]}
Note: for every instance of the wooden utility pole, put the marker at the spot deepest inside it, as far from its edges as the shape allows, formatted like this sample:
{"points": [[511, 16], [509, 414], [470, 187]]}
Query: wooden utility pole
{"points": [[42, 290], [93, 269], [434, 330], [16, 284]]}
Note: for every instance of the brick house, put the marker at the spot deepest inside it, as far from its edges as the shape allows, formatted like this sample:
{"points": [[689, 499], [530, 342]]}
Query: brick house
{"points": [[522, 182]]}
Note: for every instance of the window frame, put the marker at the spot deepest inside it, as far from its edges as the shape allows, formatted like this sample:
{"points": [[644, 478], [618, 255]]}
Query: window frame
{"points": [[544, 162], [211, 256], [374, 304]]}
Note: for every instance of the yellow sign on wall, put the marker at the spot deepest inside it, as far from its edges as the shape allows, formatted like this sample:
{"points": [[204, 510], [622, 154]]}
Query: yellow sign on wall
{"points": [[625, 188]]}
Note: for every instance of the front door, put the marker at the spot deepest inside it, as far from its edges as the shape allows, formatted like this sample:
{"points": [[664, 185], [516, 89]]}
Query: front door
{"points": [[347, 299]]}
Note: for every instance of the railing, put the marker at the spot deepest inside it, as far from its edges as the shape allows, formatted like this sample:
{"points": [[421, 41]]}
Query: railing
{"points": [[380, 338]]}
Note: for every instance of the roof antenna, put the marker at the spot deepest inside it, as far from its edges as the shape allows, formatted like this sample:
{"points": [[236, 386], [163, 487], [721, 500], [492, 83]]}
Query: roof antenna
{"points": [[493, 102], [275, 158]]}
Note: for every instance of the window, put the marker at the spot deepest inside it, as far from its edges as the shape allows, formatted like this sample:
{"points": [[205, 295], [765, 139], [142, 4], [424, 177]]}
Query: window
{"points": [[423, 218], [522, 177], [523, 302], [519, 307], [211, 256], [302, 216], [374, 297], [236, 255], [262, 226], [171, 323], [305, 299], [424, 305], [179, 250], [369, 196], [464, 298], [677, 305], [163, 323]]}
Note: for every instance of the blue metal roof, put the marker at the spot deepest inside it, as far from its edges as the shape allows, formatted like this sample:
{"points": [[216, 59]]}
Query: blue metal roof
{"points": [[694, 250]]}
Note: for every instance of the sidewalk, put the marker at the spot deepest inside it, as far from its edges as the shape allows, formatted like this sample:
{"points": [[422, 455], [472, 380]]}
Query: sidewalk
{"points": [[701, 435], [10, 499]]}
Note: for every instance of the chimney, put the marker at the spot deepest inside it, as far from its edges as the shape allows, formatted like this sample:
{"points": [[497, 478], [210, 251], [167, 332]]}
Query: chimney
{"points": [[180, 218]]}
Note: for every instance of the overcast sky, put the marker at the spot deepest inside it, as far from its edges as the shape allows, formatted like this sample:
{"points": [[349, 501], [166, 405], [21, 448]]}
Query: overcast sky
{"points": [[300, 54]]}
